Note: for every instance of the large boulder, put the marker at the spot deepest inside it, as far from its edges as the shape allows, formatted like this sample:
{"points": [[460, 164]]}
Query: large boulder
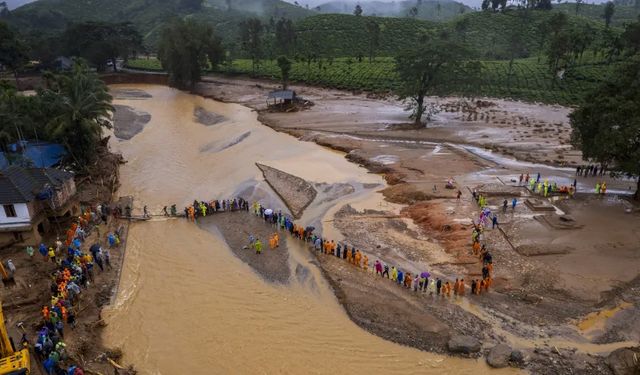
{"points": [[625, 361], [464, 344], [499, 356]]}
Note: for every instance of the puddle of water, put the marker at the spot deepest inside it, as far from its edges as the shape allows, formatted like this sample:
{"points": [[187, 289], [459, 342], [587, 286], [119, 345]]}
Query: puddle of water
{"points": [[597, 319]]}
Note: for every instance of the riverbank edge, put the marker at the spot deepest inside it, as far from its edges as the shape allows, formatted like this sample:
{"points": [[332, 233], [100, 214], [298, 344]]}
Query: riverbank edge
{"points": [[549, 360]]}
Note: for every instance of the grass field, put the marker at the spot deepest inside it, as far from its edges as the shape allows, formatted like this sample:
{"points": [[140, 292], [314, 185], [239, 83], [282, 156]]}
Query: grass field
{"points": [[528, 79]]}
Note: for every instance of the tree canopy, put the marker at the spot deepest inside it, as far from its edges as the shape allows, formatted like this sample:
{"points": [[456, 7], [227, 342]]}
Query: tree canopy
{"points": [[73, 110], [607, 127], [100, 42], [186, 47], [13, 52], [420, 69]]}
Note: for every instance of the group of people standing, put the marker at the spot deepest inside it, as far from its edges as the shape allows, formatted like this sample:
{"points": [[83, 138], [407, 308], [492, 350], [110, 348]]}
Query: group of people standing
{"points": [[590, 170], [74, 271], [418, 282]]}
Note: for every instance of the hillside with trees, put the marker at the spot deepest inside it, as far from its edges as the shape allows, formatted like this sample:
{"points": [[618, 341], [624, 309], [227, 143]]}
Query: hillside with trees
{"points": [[148, 16], [431, 10]]}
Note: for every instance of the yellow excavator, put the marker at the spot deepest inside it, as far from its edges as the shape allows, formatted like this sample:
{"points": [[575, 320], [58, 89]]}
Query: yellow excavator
{"points": [[12, 361]]}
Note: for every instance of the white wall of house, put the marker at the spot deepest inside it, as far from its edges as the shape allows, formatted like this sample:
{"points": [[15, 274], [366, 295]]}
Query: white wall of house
{"points": [[22, 215]]}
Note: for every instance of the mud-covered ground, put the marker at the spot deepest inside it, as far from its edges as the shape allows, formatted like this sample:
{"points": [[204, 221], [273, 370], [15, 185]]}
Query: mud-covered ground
{"points": [[23, 301], [236, 227], [549, 282]]}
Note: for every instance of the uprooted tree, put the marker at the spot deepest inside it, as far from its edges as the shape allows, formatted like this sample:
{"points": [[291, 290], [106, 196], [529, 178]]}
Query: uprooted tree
{"points": [[607, 126]]}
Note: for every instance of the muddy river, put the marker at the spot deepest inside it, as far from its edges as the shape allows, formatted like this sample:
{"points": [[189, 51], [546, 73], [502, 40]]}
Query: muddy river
{"points": [[186, 304]]}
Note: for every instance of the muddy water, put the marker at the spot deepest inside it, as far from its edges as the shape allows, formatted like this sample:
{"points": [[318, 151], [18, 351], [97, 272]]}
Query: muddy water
{"points": [[186, 305]]}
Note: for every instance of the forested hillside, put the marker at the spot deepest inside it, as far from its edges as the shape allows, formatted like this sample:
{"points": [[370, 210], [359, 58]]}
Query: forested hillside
{"points": [[432, 10]]}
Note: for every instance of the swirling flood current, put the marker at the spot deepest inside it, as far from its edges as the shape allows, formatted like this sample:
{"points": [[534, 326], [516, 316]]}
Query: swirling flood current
{"points": [[186, 305]]}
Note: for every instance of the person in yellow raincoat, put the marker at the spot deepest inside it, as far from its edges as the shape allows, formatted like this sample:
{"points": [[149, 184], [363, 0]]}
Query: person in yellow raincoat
{"points": [[357, 258], [394, 273]]}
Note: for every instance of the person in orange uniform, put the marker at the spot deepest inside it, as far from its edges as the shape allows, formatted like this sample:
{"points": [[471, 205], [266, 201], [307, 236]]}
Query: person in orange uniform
{"points": [[447, 289], [461, 288], [357, 258], [365, 263]]}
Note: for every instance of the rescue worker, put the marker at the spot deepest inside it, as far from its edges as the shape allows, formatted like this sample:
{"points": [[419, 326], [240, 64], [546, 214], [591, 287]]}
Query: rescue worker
{"points": [[258, 246]]}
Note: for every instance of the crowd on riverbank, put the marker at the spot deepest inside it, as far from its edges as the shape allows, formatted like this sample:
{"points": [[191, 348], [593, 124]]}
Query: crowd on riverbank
{"points": [[74, 266], [423, 282]]}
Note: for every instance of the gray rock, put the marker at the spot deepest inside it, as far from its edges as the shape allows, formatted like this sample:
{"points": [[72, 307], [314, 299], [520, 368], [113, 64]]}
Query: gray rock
{"points": [[499, 356], [517, 357], [464, 344], [624, 361]]}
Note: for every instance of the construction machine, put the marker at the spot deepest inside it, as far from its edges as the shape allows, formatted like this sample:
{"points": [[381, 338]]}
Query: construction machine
{"points": [[12, 361]]}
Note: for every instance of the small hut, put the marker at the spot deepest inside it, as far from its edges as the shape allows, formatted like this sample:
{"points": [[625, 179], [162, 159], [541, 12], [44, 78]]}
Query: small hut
{"points": [[281, 98]]}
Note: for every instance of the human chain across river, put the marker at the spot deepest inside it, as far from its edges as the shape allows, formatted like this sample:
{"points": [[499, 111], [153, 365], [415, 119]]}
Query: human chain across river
{"points": [[418, 282]]}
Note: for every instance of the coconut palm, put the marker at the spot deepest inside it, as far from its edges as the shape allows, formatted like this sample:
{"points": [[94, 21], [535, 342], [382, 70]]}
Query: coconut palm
{"points": [[83, 108]]}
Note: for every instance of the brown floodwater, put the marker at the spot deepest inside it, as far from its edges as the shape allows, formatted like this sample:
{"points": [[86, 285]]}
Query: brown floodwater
{"points": [[186, 304]]}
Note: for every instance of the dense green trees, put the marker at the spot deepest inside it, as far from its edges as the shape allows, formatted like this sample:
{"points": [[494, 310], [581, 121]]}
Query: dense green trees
{"points": [[187, 47], [421, 68], [100, 42], [607, 127], [251, 38], [72, 110], [13, 52], [609, 9]]}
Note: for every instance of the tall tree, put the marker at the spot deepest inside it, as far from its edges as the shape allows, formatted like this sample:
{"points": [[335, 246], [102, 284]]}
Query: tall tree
{"points": [[285, 67], [609, 9], [422, 68], [187, 47], [101, 42], [13, 52], [607, 126], [373, 29], [82, 105], [357, 10], [578, 3], [631, 37], [251, 39], [285, 36]]}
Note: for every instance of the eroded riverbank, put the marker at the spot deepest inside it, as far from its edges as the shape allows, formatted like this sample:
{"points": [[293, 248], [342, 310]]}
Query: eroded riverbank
{"points": [[185, 294]]}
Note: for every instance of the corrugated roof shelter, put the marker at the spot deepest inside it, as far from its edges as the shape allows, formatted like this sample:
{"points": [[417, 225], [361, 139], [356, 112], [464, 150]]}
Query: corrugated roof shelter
{"points": [[282, 95], [23, 185], [37, 154]]}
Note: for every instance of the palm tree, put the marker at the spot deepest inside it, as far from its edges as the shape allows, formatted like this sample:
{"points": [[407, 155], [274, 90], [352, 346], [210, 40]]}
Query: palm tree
{"points": [[83, 109]]}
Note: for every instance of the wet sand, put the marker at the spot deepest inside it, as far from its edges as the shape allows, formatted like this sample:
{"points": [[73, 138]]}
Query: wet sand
{"points": [[128, 122]]}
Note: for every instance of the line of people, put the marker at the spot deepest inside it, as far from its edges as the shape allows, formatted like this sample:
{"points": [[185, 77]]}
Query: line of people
{"points": [[418, 282], [591, 170]]}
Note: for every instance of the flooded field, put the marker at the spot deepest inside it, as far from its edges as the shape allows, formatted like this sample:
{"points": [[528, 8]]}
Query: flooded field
{"points": [[186, 304]]}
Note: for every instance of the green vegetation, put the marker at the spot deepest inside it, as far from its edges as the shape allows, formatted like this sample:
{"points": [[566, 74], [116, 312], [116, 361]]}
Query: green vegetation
{"points": [[420, 70], [148, 16], [430, 10], [99, 42], [623, 13], [607, 126], [340, 35], [527, 79], [72, 109], [187, 47]]}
